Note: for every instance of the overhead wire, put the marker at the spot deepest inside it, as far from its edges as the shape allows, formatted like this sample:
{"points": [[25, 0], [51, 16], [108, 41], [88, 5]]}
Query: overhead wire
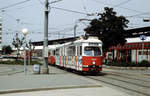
{"points": [[104, 3], [84, 7], [70, 10], [41, 2], [119, 6], [8, 14], [15, 4], [122, 3], [144, 13]]}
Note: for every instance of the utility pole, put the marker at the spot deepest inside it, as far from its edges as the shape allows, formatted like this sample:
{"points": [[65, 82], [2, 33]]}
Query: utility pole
{"points": [[29, 53], [18, 20], [45, 69]]}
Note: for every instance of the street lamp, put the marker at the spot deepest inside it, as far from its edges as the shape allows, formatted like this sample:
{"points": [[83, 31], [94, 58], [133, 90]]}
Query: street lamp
{"points": [[25, 32]]}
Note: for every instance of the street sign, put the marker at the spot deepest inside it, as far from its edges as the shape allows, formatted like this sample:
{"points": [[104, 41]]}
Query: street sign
{"points": [[142, 37]]}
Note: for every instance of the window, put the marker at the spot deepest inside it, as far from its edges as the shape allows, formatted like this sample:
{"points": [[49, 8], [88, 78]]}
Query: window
{"points": [[71, 51], [57, 52], [52, 52], [80, 50], [92, 51], [142, 52]]}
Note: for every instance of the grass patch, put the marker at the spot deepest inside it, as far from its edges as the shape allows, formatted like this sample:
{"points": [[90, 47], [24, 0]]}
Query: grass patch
{"points": [[19, 62]]}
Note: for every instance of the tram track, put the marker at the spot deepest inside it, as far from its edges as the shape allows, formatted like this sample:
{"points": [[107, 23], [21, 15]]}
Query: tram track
{"points": [[133, 90], [128, 76], [128, 82]]}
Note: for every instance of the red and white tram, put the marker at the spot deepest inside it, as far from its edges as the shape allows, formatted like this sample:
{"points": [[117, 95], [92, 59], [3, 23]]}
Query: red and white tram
{"points": [[80, 55]]}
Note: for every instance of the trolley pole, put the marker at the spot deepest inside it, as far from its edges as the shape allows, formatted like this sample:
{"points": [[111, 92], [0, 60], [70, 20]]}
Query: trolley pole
{"points": [[45, 69], [75, 28]]}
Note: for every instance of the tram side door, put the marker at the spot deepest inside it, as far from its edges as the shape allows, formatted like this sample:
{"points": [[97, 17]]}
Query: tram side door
{"points": [[79, 57]]}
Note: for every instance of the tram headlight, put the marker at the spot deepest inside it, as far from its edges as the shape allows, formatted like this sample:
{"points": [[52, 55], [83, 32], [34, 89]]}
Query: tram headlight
{"points": [[85, 66], [94, 63]]}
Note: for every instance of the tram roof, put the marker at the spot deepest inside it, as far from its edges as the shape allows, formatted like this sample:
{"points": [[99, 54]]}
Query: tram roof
{"points": [[90, 39]]}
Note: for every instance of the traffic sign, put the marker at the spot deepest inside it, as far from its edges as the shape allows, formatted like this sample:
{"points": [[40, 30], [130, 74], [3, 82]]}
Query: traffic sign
{"points": [[142, 37]]}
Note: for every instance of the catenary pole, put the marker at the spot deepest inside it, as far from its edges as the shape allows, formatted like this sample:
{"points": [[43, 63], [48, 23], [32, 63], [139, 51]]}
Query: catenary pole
{"points": [[45, 69]]}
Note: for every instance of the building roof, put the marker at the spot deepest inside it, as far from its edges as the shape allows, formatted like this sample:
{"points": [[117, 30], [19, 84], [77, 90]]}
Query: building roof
{"points": [[137, 32], [132, 35], [57, 41], [137, 40]]}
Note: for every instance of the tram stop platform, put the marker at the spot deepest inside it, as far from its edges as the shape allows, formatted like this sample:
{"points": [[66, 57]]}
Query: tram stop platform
{"points": [[56, 83]]}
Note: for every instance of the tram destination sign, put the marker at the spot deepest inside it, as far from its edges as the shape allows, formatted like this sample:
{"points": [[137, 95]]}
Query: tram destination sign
{"points": [[93, 44]]}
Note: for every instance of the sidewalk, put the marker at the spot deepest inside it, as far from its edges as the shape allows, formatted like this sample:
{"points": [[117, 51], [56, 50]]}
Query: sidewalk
{"points": [[57, 83]]}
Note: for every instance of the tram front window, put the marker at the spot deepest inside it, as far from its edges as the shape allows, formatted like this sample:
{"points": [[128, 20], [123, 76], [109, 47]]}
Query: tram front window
{"points": [[92, 51]]}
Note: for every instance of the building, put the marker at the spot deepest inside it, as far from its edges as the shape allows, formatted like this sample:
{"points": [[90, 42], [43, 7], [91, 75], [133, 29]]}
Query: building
{"points": [[0, 33], [135, 50]]}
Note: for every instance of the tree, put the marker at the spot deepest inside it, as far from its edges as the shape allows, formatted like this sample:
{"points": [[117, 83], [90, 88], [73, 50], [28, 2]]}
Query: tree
{"points": [[6, 49], [109, 27], [17, 43]]}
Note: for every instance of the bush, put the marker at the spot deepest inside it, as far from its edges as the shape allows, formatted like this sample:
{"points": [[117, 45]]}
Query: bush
{"points": [[143, 63], [19, 62]]}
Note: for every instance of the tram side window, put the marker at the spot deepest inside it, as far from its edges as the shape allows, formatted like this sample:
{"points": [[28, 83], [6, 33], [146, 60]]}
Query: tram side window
{"points": [[57, 52], [71, 51], [80, 50], [53, 52]]}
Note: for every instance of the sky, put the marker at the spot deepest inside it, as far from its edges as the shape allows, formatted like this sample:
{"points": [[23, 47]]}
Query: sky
{"points": [[63, 16]]}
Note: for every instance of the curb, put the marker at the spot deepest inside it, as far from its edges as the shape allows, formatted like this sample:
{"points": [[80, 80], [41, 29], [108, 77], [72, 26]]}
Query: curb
{"points": [[11, 73], [46, 88], [127, 68]]}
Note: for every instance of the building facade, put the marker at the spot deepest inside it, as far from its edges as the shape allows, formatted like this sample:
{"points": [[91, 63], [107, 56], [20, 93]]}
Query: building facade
{"points": [[135, 50], [0, 33]]}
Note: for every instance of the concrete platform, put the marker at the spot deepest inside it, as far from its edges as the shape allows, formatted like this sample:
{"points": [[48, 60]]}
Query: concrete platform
{"points": [[57, 83]]}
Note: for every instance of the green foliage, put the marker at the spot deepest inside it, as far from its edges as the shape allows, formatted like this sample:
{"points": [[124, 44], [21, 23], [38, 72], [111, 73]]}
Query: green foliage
{"points": [[17, 43], [109, 27], [19, 62], [143, 63], [6, 49]]}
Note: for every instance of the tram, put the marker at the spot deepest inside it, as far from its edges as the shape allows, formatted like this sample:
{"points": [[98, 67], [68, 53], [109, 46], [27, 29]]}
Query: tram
{"points": [[80, 55]]}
